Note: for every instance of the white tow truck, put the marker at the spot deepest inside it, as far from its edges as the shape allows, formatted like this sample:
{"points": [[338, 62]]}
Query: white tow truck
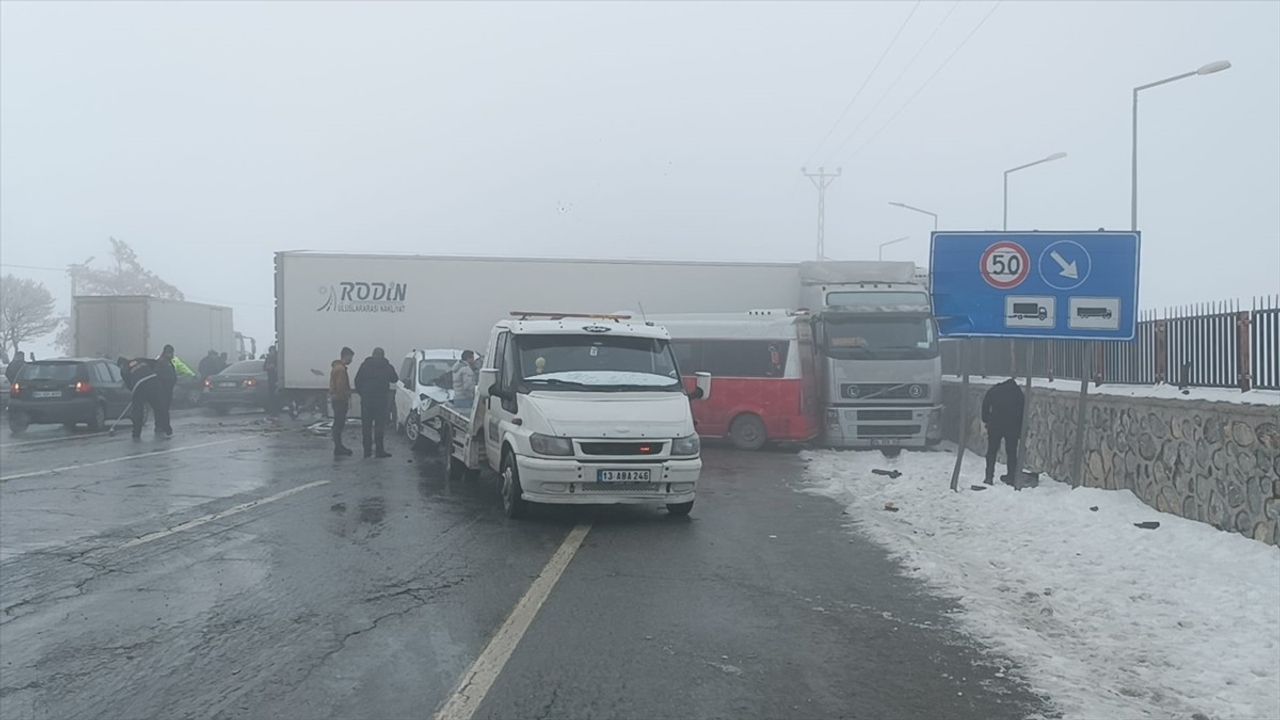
{"points": [[576, 409]]}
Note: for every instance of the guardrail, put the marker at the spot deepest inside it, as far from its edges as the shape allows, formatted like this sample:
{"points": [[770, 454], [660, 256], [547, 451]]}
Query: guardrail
{"points": [[1219, 344]]}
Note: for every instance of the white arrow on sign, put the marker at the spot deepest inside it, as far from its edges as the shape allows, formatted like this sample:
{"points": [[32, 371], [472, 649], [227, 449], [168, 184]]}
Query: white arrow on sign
{"points": [[1068, 268]]}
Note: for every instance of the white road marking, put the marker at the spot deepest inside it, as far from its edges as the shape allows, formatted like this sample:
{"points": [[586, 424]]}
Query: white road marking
{"points": [[197, 522], [45, 441], [126, 458], [479, 678]]}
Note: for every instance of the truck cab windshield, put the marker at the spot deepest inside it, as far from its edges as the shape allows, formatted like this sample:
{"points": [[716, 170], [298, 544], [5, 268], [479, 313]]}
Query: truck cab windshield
{"points": [[852, 337], [595, 362]]}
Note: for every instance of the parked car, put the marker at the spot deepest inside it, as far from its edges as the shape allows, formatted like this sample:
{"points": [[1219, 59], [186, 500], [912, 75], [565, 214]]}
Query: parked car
{"points": [[242, 384], [67, 391]]}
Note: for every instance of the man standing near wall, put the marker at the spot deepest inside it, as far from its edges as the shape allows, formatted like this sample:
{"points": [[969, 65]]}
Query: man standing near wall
{"points": [[340, 394], [1002, 414]]}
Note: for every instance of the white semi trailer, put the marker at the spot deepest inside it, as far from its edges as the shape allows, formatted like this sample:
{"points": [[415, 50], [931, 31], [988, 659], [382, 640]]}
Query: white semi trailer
{"points": [[405, 302]]}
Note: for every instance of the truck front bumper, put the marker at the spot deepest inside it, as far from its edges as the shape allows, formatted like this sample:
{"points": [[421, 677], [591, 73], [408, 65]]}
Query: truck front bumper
{"points": [[570, 481], [868, 427]]}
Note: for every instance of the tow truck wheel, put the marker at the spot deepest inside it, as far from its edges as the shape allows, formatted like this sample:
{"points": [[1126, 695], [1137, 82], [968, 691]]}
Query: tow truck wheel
{"points": [[747, 432], [680, 509], [513, 505]]}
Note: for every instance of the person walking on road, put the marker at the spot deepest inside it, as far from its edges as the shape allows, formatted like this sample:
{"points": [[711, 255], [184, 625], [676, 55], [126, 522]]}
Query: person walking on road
{"points": [[373, 381], [167, 375], [340, 395], [1002, 414], [11, 372], [140, 377], [208, 365], [464, 380], [271, 366]]}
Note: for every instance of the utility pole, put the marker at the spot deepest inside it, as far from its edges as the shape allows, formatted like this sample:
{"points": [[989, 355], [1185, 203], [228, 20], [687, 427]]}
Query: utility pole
{"points": [[821, 180]]}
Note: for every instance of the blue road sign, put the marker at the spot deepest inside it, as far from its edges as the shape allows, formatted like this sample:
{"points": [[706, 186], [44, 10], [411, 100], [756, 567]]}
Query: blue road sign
{"points": [[1070, 285]]}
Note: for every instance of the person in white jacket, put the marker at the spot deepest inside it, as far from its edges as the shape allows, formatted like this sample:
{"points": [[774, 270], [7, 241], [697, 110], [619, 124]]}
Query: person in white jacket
{"points": [[464, 380]]}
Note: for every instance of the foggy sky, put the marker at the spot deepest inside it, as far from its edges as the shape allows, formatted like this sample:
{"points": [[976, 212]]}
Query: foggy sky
{"points": [[210, 135]]}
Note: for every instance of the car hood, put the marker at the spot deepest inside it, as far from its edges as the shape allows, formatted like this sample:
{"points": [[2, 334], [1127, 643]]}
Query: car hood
{"points": [[608, 415]]}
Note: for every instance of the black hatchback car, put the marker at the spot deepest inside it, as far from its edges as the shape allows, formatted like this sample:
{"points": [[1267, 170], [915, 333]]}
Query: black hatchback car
{"points": [[242, 384], [67, 391]]}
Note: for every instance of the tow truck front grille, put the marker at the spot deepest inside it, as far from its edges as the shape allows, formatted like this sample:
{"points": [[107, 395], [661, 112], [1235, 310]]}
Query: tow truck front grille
{"points": [[620, 449]]}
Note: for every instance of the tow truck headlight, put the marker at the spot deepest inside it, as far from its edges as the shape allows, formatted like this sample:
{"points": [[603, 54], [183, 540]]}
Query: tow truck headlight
{"points": [[686, 446], [548, 445]]}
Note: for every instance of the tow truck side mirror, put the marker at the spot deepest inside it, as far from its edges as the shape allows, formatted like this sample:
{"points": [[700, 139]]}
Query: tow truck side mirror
{"points": [[702, 390], [489, 382]]}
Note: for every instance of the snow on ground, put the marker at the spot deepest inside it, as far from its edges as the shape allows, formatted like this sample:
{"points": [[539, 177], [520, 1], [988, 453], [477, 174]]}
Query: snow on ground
{"points": [[1108, 620], [1167, 392]]}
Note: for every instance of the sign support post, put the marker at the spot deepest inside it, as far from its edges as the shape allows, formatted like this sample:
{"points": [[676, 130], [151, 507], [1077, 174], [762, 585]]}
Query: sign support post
{"points": [[963, 434]]}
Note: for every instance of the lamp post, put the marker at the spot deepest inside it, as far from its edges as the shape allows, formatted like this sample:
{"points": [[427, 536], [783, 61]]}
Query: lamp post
{"points": [[1209, 69], [1050, 158], [883, 245], [905, 206]]}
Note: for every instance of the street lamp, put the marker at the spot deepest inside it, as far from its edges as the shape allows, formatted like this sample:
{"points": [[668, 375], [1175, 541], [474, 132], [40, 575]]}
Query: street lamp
{"points": [[1209, 69], [887, 243], [905, 206], [1050, 158]]}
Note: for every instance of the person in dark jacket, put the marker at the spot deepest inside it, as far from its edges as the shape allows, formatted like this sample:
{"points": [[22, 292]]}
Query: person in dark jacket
{"points": [[373, 382], [271, 366], [11, 372], [1002, 414], [140, 377], [167, 375], [208, 365]]}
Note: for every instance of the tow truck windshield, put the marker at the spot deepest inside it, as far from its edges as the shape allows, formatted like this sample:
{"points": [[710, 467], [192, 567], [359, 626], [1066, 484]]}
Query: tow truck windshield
{"points": [[574, 362], [879, 338]]}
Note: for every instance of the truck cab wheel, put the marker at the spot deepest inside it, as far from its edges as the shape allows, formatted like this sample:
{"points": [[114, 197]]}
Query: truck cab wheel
{"points": [[513, 505], [747, 432]]}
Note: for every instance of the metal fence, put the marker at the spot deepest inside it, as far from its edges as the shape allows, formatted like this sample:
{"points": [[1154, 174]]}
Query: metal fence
{"points": [[1222, 344]]}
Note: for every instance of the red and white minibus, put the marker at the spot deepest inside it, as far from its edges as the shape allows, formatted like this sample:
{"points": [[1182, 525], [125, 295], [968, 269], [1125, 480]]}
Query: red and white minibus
{"points": [[763, 369]]}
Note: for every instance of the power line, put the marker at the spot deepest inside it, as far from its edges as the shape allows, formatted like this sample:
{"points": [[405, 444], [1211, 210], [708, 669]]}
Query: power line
{"points": [[919, 90], [865, 80], [910, 63]]}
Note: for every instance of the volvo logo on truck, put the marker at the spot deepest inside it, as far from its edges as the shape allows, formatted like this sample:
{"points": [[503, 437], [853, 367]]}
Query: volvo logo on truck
{"points": [[363, 297]]}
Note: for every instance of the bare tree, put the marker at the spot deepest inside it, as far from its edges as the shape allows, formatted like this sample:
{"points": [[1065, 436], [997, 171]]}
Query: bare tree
{"points": [[26, 311], [127, 277]]}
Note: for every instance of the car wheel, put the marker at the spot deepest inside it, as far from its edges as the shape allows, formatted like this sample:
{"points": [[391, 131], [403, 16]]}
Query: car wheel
{"points": [[513, 505], [891, 452], [193, 398], [412, 431], [747, 432], [680, 509], [18, 422], [99, 420]]}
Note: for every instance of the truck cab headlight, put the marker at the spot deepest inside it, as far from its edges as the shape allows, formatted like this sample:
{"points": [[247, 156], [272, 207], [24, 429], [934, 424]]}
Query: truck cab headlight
{"points": [[548, 445], [686, 446]]}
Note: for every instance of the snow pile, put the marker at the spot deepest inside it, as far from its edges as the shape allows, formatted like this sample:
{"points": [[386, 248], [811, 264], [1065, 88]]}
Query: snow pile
{"points": [[1161, 392], [1108, 620]]}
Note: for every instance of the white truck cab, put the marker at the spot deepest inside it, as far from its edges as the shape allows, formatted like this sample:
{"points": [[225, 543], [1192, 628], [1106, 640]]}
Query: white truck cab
{"points": [[580, 410]]}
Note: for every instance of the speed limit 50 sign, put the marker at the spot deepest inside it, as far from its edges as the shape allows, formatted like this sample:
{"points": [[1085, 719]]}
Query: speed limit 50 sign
{"points": [[1070, 285], [1005, 265]]}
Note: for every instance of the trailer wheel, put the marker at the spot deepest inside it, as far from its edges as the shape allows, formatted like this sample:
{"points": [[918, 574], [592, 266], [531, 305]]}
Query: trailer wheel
{"points": [[747, 432]]}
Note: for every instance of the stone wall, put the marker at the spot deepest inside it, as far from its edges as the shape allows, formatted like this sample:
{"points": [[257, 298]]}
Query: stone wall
{"points": [[1215, 462]]}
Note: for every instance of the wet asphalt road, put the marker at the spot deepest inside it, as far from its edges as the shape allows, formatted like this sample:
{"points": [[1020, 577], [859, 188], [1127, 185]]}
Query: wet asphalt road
{"points": [[238, 571]]}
